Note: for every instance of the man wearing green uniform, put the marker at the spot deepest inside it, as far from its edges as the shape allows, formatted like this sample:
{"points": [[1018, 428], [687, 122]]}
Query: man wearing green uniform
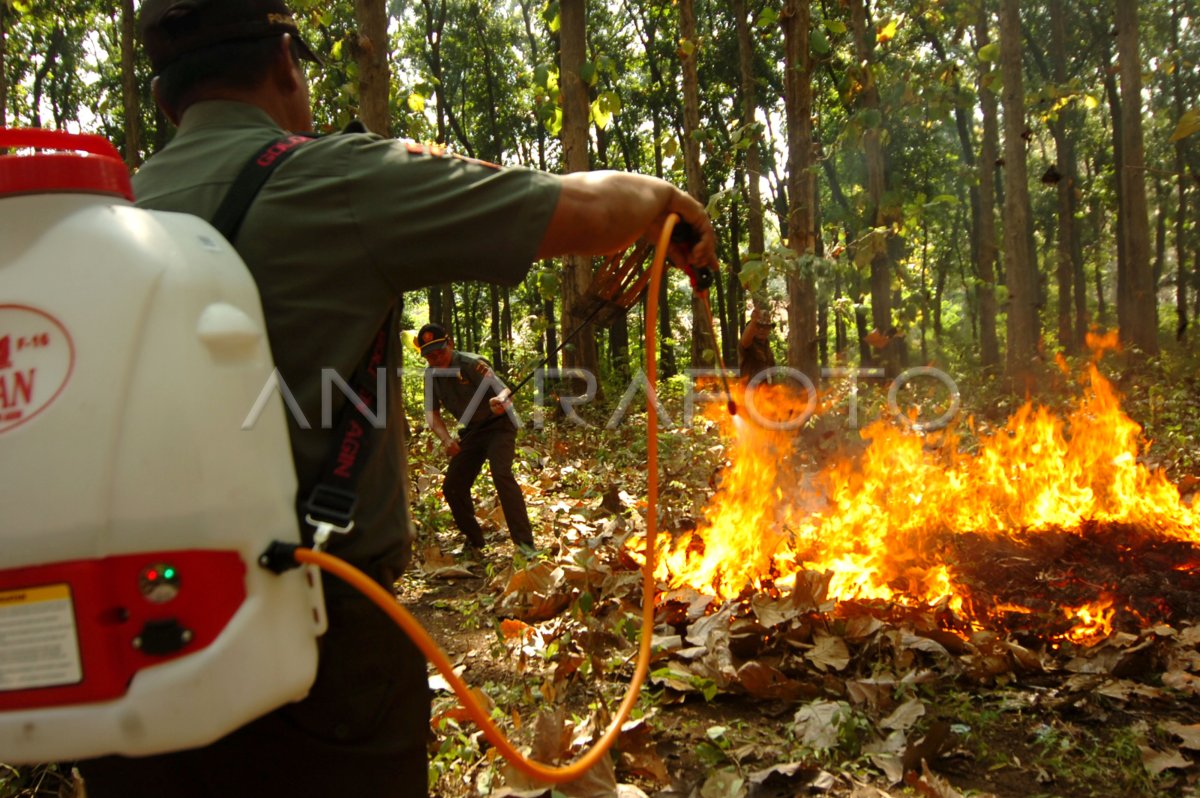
{"points": [[464, 384], [340, 229]]}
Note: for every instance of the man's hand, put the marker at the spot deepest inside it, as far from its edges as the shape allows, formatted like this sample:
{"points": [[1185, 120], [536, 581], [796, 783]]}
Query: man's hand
{"points": [[452, 447], [500, 403]]}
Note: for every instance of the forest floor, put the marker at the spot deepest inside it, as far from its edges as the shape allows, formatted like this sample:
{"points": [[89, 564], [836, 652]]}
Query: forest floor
{"points": [[785, 690]]}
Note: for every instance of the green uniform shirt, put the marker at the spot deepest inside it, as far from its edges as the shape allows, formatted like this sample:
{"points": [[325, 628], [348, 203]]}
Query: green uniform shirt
{"points": [[456, 392], [338, 232]]}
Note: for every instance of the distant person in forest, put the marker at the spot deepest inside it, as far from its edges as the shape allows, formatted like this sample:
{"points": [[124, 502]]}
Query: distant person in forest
{"points": [[334, 237], [465, 385], [754, 348]]}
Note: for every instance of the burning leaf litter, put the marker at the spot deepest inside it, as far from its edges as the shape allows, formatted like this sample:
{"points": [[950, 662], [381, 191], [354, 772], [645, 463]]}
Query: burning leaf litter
{"points": [[845, 602]]}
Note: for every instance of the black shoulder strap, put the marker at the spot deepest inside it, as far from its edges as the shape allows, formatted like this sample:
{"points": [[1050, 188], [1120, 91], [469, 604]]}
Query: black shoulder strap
{"points": [[332, 501], [229, 216]]}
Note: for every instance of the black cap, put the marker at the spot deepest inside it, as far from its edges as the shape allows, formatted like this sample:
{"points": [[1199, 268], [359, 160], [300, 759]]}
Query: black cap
{"points": [[170, 29], [431, 338]]}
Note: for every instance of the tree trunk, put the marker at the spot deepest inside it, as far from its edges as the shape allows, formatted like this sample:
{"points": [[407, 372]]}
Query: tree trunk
{"points": [[989, 152], [732, 320], [131, 98], [881, 266], [703, 344], [1098, 229], [441, 297], [801, 229], [1022, 282], [667, 365], [497, 335], [1181, 210], [551, 333], [1142, 314], [578, 272], [370, 53], [1064, 153], [753, 159]]}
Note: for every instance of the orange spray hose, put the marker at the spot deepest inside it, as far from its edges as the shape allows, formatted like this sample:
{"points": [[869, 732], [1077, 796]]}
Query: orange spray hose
{"points": [[412, 627]]}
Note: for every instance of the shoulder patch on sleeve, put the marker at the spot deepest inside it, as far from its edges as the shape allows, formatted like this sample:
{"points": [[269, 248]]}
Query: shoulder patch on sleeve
{"points": [[439, 151]]}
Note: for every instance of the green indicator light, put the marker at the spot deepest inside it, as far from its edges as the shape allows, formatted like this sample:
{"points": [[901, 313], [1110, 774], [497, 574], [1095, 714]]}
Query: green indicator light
{"points": [[169, 573]]}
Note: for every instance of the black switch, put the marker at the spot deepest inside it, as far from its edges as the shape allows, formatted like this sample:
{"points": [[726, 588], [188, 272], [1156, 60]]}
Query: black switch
{"points": [[162, 637]]}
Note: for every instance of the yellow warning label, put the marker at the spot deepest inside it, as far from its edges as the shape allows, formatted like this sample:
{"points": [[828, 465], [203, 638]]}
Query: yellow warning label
{"points": [[32, 594], [39, 644]]}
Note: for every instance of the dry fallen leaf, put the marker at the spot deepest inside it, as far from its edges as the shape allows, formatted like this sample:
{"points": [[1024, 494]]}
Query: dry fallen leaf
{"points": [[1189, 735], [828, 652], [722, 784], [783, 781], [904, 716], [1156, 762], [817, 723], [930, 785]]}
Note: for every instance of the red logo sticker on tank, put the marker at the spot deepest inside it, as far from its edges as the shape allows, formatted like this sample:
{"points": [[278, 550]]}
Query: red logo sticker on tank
{"points": [[37, 357]]}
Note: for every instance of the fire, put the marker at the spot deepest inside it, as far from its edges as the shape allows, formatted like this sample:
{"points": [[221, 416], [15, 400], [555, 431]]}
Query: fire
{"points": [[886, 524], [1092, 621]]}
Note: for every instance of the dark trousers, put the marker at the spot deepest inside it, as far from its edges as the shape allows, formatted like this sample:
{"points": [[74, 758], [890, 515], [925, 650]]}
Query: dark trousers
{"points": [[495, 442], [363, 730]]}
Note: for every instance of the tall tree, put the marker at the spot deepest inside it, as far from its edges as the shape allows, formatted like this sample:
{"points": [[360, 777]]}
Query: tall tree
{"points": [[370, 53], [578, 272], [872, 143], [1064, 148], [130, 95], [1139, 325], [989, 152], [702, 338], [433, 14], [752, 157], [802, 217], [1181, 208], [1018, 216]]}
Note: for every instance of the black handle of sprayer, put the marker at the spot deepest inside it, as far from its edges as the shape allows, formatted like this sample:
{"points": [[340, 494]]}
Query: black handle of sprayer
{"points": [[685, 236]]}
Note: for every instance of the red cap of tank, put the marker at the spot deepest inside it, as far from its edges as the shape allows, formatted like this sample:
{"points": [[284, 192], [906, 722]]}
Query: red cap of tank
{"points": [[83, 164]]}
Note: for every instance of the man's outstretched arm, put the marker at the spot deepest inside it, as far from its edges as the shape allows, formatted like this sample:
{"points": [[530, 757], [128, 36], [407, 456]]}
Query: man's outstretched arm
{"points": [[599, 213]]}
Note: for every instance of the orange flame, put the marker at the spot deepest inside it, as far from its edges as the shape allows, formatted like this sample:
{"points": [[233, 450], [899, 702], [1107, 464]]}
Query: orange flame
{"points": [[884, 523], [1093, 622]]}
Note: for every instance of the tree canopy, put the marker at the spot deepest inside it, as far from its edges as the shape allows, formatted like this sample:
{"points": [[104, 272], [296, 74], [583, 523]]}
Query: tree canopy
{"points": [[966, 183]]}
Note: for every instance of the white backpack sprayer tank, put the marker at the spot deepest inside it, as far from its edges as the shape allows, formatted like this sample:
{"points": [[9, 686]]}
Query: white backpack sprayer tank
{"points": [[134, 618]]}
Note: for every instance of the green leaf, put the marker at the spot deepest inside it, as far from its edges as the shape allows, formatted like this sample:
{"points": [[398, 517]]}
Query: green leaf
{"points": [[610, 101], [989, 52], [554, 122], [416, 102], [818, 42], [541, 75], [767, 18], [687, 46], [547, 284], [553, 17], [599, 115], [588, 73], [870, 118], [1189, 123], [835, 26], [335, 52], [753, 274]]}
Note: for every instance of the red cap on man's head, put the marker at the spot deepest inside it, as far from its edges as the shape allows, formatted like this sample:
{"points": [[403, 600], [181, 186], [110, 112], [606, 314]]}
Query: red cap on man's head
{"points": [[171, 29]]}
